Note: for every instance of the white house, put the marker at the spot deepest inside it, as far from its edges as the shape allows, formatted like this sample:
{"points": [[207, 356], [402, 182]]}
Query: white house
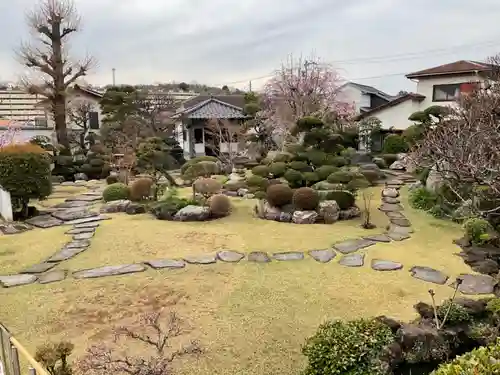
{"points": [[363, 97]]}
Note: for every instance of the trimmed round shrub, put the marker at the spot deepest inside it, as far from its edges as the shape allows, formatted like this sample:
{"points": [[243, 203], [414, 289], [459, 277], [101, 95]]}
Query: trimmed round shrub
{"points": [[207, 186], [141, 189], [196, 160], [115, 192], [357, 183], [389, 158], [325, 170], [340, 177], [295, 178], [354, 347], [301, 156], [305, 198], [276, 181], [220, 205], [455, 313], [311, 178], [112, 179], [201, 169], [257, 182], [478, 231], [260, 194], [282, 157], [300, 166], [394, 144], [279, 195], [338, 161], [316, 157], [221, 178], [371, 175], [344, 199], [277, 169], [261, 170], [325, 185], [422, 199], [233, 185]]}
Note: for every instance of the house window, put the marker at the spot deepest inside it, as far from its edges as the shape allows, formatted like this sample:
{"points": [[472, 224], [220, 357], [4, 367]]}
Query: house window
{"points": [[93, 120], [41, 122], [450, 92], [198, 135]]}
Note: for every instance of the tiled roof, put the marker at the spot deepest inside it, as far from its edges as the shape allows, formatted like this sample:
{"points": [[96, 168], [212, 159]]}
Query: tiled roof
{"points": [[213, 108], [457, 67], [392, 103], [372, 90], [235, 100]]}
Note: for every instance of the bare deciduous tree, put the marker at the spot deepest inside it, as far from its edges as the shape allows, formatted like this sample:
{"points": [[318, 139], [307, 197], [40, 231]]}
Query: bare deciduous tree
{"points": [[156, 109], [52, 22], [224, 138], [79, 115]]}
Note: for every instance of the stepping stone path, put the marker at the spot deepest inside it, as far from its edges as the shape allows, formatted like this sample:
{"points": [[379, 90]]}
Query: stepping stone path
{"points": [[73, 214], [322, 256], [83, 236], [44, 221], [81, 230], [429, 274], [475, 284], [292, 255], [201, 259], [39, 268], [52, 276], [391, 200], [352, 246], [86, 225], [378, 238], [89, 197], [72, 204], [16, 280], [87, 220], [166, 263], [14, 228], [230, 256], [109, 271], [387, 207], [352, 260], [385, 265], [258, 257]]}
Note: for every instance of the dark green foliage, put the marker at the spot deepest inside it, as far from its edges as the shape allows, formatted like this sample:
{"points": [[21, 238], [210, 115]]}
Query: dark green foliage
{"points": [[422, 199], [201, 169], [42, 141], [283, 157], [371, 175], [478, 231], [380, 162], [115, 192], [64, 166], [192, 161], [338, 161], [389, 158], [175, 150], [295, 149], [423, 174], [279, 195], [413, 134], [277, 169], [394, 144], [344, 199], [300, 166], [95, 165], [339, 177], [167, 207], [325, 170], [325, 185], [311, 178], [300, 156], [260, 194], [306, 199], [261, 170], [54, 357], [294, 178], [316, 157], [112, 179], [258, 182], [308, 123], [457, 314], [347, 348], [357, 183], [119, 103]]}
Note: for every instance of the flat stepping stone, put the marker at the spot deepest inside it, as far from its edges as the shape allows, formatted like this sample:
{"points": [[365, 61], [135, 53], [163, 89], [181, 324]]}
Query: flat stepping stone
{"points": [[87, 220], [86, 225], [387, 207], [16, 280], [166, 263], [14, 228], [109, 271], [378, 238], [395, 182], [400, 222], [390, 192], [385, 265], [351, 246], [80, 244], [39, 268], [201, 259], [230, 256], [85, 198], [81, 230], [259, 257], [475, 284], [395, 236], [72, 204], [428, 274], [322, 256], [52, 277], [390, 214], [73, 214], [391, 200], [289, 255], [83, 236], [44, 221], [352, 260], [65, 254]]}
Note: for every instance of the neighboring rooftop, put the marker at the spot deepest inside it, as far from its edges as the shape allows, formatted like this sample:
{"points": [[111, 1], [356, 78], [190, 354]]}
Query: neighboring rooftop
{"points": [[371, 90], [212, 108], [234, 100], [457, 67], [392, 103]]}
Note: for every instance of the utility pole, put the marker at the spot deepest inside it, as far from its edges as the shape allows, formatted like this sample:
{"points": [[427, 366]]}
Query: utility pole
{"points": [[114, 81], [250, 86]]}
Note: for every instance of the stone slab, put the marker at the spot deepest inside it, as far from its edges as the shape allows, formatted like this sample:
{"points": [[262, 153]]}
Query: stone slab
{"points": [[44, 221], [390, 214], [39, 268], [399, 229], [166, 263], [289, 255], [14, 228], [86, 225], [428, 274], [378, 238], [322, 256], [109, 271], [390, 192], [385, 265], [73, 214], [387, 207], [352, 260], [83, 236], [87, 220], [64, 254], [395, 182], [391, 200], [80, 230], [259, 257], [230, 256], [400, 222], [351, 246], [16, 280], [72, 204], [201, 259], [395, 236], [52, 276], [80, 244], [475, 284], [85, 198]]}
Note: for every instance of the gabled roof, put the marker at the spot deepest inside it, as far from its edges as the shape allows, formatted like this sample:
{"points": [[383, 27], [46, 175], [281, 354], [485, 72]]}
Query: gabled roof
{"points": [[370, 90], [457, 67], [89, 91], [235, 100], [212, 108], [392, 103]]}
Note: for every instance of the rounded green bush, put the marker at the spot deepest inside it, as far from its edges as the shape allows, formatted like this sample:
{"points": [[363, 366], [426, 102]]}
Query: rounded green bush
{"points": [[115, 192], [338, 161], [306, 199], [278, 168], [339, 177], [357, 183], [112, 179], [344, 199], [261, 170], [456, 313], [422, 199], [257, 182], [282, 157], [394, 144], [279, 195], [478, 231], [193, 161], [371, 175], [325, 185], [295, 178], [316, 157], [311, 177], [325, 170], [203, 168], [260, 194], [389, 158], [354, 347]]}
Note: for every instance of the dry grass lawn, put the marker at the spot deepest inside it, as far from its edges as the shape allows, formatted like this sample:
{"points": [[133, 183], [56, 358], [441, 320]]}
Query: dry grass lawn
{"points": [[251, 318]]}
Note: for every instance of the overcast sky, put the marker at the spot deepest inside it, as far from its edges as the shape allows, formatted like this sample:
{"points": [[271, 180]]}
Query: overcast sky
{"points": [[221, 42]]}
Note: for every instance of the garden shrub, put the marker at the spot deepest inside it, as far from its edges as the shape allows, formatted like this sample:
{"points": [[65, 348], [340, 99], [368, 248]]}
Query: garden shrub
{"points": [[261, 170], [458, 314], [294, 178], [96, 164], [221, 178], [301, 156], [344, 199], [64, 166], [233, 185], [206, 186], [394, 144], [25, 173], [325, 185], [277, 169], [484, 360], [306, 199], [220, 205], [311, 178], [196, 160], [202, 168], [371, 175], [478, 231], [325, 170], [316, 157], [339, 177], [141, 189], [115, 192], [353, 347], [260, 194], [389, 158], [339, 161], [278, 158], [357, 183], [258, 182], [423, 174], [169, 204], [279, 195], [422, 199], [380, 162], [300, 166]]}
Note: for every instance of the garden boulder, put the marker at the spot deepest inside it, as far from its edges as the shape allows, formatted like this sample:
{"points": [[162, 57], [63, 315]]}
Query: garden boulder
{"points": [[328, 211], [192, 213], [397, 166], [304, 217], [81, 177]]}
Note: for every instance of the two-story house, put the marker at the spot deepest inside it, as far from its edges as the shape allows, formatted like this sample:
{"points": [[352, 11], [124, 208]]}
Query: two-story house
{"points": [[440, 85], [362, 97]]}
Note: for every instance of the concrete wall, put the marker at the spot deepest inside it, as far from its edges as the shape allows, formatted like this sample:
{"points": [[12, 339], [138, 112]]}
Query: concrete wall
{"points": [[73, 101], [397, 116], [5, 205]]}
